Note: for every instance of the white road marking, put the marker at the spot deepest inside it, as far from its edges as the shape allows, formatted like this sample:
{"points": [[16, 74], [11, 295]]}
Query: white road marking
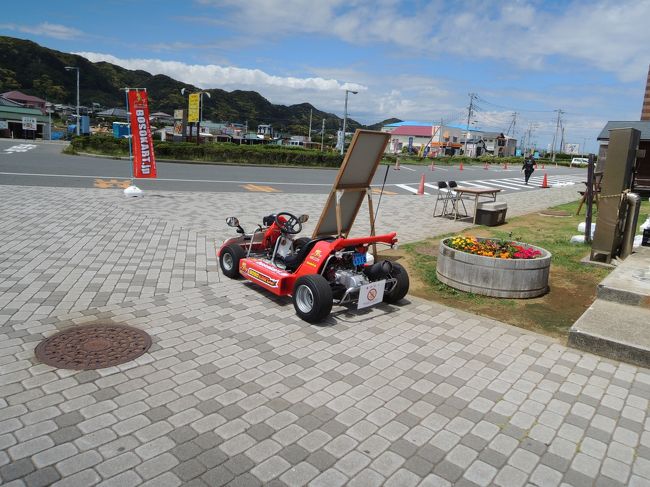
{"points": [[515, 182], [407, 168], [408, 188], [435, 186], [19, 148], [497, 182], [473, 184]]}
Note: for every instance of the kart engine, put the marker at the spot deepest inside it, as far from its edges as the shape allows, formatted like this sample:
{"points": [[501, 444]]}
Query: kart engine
{"points": [[350, 278]]}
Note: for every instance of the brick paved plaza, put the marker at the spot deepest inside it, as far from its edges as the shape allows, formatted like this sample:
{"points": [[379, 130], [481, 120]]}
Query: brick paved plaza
{"points": [[236, 390]]}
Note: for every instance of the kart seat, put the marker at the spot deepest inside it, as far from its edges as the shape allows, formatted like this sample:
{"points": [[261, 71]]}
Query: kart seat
{"points": [[292, 262]]}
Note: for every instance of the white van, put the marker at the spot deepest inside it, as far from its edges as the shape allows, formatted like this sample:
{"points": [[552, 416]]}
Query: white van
{"points": [[579, 161]]}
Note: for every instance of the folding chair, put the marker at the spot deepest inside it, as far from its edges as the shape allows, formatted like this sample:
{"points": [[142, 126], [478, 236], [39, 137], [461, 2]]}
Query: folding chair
{"points": [[455, 198], [443, 197]]}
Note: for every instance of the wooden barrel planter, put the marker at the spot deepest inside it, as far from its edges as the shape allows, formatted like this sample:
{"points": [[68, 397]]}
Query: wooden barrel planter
{"points": [[491, 276]]}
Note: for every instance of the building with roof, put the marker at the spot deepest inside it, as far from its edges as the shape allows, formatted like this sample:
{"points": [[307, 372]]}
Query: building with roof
{"points": [[13, 115], [641, 179], [114, 112], [439, 140], [27, 101]]}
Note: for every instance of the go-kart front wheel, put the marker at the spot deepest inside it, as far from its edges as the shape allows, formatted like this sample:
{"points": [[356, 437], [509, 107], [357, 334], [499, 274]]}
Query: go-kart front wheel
{"points": [[401, 287], [312, 298], [229, 260]]}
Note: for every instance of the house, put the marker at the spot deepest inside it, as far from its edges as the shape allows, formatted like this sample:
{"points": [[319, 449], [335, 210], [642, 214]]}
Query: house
{"points": [[439, 139], [114, 112], [641, 179], [27, 101], [12, 115], [475, 147]]}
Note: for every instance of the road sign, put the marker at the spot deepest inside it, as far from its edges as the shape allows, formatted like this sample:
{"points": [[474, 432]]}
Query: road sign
{"points": [[193, 108], [29, 123], [4, 125]]}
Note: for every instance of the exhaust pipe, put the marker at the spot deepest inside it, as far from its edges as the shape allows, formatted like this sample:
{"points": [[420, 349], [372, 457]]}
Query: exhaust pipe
{"points": [[378, 270]]}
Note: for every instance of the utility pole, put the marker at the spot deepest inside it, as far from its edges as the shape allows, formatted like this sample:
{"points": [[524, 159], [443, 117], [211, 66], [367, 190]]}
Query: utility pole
{"points": [[557, 126], [513, 123], [322, 136], [470, 112], [311, 110]]}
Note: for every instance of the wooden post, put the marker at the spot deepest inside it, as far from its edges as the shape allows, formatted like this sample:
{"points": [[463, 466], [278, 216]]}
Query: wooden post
{"points": [[339, 195], [372, 221]]}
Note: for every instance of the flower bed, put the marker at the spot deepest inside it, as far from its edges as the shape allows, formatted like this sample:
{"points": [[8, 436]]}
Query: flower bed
{"points": [[493, 267], [501, 249]]}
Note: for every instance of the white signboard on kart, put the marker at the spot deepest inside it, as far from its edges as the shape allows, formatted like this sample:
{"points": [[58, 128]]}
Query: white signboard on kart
{"points": [[371, 294]]}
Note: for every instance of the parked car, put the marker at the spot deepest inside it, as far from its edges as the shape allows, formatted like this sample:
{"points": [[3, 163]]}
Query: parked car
{"points": [[579, 161]]}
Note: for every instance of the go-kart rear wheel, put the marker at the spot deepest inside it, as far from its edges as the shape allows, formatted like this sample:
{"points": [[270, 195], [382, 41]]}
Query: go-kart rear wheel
{"points": [[401, 287], [312, 298], [229, 260]]}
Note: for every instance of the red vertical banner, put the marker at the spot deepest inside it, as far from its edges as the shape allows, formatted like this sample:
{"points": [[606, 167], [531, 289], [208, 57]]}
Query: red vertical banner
{"points": [[144, 163]]}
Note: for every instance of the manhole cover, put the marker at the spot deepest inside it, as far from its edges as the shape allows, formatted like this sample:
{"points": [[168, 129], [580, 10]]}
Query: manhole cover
{"points": [[93, 347], [554, 213]]}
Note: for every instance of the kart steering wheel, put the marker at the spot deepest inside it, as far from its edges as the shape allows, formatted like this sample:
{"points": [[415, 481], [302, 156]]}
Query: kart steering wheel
{"points": [[291, 225]]}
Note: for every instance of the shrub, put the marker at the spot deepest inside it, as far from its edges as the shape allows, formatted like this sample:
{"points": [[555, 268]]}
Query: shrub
{"points": [[214, 152]]}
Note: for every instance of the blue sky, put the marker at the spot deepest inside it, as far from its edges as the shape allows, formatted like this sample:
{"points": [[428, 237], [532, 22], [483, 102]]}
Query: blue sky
{"points": [[410, 59]]}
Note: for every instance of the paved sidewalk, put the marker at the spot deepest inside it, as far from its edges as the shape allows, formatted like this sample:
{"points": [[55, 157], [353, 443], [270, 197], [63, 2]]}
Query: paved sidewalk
{"points": [[237, 391]]}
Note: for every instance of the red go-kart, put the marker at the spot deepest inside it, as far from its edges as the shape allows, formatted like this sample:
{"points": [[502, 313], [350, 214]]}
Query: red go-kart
{"points": [[316, 273]]}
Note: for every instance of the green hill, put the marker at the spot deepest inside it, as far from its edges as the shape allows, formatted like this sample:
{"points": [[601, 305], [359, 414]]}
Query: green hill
{"points": [[39, 71]]}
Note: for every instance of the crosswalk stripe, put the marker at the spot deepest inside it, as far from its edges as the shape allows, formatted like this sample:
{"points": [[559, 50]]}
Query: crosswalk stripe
{"points": [[515, 182], [434, 186], [473, 184], [408, 188], [494, 183]]}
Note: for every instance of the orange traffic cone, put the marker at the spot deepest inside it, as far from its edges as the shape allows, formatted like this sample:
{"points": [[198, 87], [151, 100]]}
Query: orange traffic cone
{"points": [[535, 166], [505, 166], [545, 182], [396, 168], [542, 165], [461, 166], [421, 188], [485, 166], [432, 166]]}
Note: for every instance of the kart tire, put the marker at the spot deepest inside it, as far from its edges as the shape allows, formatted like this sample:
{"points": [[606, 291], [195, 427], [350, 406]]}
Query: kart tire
{"points": [[229, 260], [299, 243], [401, 286], [312, 298]]}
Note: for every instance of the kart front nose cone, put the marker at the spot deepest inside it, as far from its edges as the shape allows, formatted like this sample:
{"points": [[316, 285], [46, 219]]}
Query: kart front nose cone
{"points": [[304, 299]]}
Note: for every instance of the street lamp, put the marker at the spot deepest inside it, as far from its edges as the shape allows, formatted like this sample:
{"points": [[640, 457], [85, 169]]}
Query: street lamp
{"points": [[345, 117], [70, 68]]}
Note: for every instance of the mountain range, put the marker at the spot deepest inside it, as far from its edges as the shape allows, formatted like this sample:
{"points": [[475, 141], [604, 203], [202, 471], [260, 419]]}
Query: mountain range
{"points": [[39, 71]]}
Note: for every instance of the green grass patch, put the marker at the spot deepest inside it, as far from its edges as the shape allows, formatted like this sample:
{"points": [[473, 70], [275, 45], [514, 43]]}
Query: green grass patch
{"points": [[572, 283]]}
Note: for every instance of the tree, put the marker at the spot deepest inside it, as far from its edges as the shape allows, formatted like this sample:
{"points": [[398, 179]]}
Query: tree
{"points": [[47, 89], [8, 80]]}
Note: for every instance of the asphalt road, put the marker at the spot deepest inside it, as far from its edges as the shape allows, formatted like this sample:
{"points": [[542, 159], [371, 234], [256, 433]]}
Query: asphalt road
{"points": [[39, 163]]}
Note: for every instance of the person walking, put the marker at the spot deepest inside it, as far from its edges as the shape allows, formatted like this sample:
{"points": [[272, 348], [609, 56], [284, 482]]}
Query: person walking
{"points": [[528, 167]]}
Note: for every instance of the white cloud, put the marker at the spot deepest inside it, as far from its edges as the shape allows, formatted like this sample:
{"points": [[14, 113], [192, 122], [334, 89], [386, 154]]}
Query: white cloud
{"points": [[45, 29], [225, 77], [609, 35]]}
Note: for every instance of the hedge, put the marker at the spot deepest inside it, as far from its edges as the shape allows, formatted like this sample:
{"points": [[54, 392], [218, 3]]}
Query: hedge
{"points": [[215, 152]]}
